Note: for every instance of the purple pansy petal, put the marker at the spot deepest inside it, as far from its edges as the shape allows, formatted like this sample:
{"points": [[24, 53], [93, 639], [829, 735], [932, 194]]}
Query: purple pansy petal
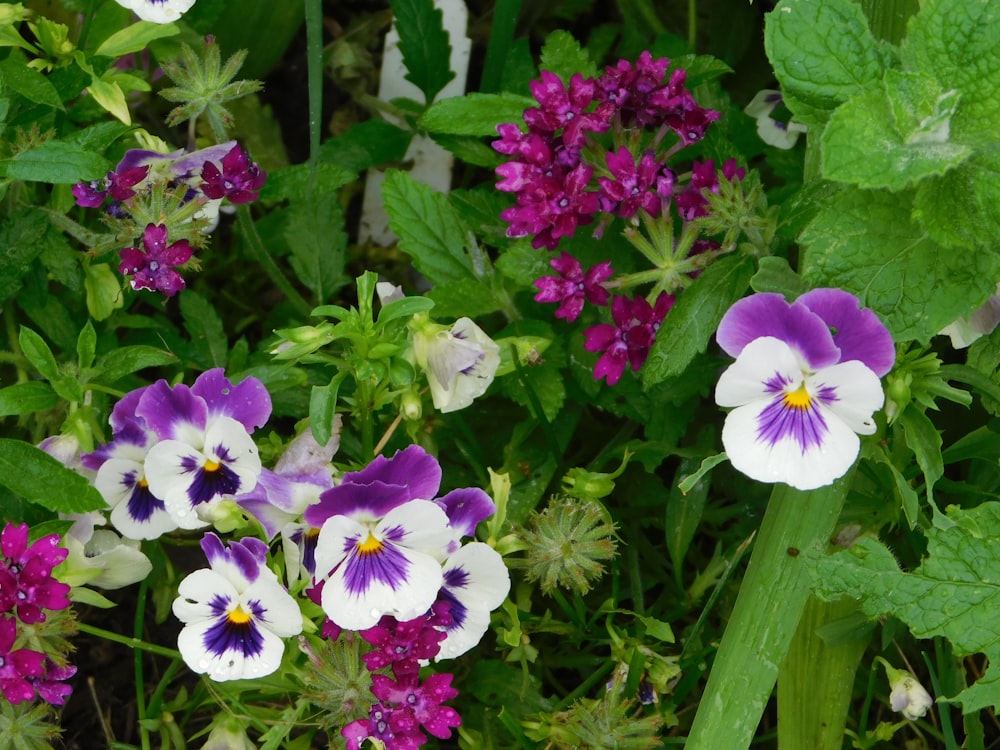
{"points": [[768, 314], [384, 484], [858, 332], [466, 508], [173, 413], [248, 403]]}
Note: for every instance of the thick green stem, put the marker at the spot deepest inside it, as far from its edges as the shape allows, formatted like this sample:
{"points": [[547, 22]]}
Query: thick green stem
{"points": [[816, 681], [767, 612], [314, 60]]}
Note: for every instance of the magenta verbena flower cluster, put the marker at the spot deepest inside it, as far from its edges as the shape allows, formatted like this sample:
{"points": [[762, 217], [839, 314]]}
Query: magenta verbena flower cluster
{"points": [[27, 590], [563, 175], [201, 179]]}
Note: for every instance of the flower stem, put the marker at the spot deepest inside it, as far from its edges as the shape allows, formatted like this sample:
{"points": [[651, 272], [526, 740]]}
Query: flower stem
{"points": [[767, 612], [267, 264], [314, 59], [125, 640]]}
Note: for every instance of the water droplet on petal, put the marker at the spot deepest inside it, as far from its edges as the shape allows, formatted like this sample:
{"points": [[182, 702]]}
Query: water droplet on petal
{"points": [[375, 613]]}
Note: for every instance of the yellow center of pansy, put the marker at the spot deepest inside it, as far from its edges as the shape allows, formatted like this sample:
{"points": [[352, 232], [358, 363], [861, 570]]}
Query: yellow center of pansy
{"points": [[798, 399], [239, 616], [369, 545]]}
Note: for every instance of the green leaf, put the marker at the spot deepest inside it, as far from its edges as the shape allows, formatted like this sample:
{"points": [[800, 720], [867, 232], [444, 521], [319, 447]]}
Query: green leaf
{"points": [[323, 407], [28, 82], [205, 328], [956, 583], [775, 275], [21, 239], [467, 297], [563, 55], [425, 45], [893, 136], [695, 317], [406, 307], [475, 114], [538, 385], [956, 44], [959, 209], [822, 53], [292, 183], [866, 243], [368, 144], [86, 346], [57, 162], [685, 509], [24, 398], [40, 479], [906, 495], [135, 38], [104, 291], [925, 441], [428, 226], [658, 629], [39, 354], [128, 359], [523, 263], [108, 93], [315, 233]]}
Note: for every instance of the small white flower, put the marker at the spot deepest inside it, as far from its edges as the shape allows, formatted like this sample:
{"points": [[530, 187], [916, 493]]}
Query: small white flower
{"points": [[157, 11], [460, 363], [773, 132], [909, 697]]}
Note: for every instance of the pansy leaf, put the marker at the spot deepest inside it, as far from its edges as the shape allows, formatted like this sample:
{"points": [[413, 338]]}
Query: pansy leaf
{"points": [[424, 43], [28, 82], [322, 408], [24, 398], [823, 53], [135, 37], [946, 595], [865, 242], [925, 441], [128, 359], [368, 144], [428, 226], [104, 290], [39, 478], [690, 324], [57, 162]]}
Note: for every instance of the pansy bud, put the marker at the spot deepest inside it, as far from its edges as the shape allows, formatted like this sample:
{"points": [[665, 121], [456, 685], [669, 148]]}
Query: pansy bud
{"points": [[907, 695]]}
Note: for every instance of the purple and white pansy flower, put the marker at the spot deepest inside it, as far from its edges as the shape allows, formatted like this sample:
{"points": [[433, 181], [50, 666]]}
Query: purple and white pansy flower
{"points": [[805, 384], [384, 538], [235, 613], [158, 11], [178, 451]]}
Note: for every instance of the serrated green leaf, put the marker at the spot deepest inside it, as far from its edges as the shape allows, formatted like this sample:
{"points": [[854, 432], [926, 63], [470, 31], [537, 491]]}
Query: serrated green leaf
{"points": [[135, 38], [864, 242], [368, 144], [467, 297], [57, 162], [523, 263], [204, 325], [956, 44], [315, 233], [292, 183], [893, 136], [956, 583], [658, 629], [37, 477], [695, 317], [541, 384], [475, 114], [429, 229], [24, 398], [823, 53], [425, 45], [959, 209], [28, 82], [775, 275], [563, 55]]}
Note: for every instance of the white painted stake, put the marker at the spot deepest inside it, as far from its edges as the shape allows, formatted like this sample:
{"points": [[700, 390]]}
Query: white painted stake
{"points": [[432, 165]]}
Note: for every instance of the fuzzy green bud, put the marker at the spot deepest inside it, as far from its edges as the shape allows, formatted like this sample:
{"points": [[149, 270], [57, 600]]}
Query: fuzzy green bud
{"points": [[568, 544], [592, 485], [411, 406]]}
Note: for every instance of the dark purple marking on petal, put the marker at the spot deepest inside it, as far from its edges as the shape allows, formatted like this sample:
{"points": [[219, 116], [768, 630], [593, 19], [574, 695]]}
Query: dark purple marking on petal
{"points": [[210, 483], [768, 314], [803, 424], [385, 565], [857, 331], [142, 503], [235, 632], [456, 608]]}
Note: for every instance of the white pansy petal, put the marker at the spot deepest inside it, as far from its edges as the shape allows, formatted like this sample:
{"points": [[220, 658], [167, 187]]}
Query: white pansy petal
{"points": [[391, 580], [337, 535], [280, 614], [197, 593], [420, 525], [157, 11], [763, 361], [858, 394], [784, 459], [476, 582], [228, 442], [206, 649]]}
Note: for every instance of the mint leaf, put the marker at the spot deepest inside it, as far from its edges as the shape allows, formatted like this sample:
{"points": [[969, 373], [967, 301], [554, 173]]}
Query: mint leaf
{"points": [[893, 135], [956, 43], [823, 53], [425, 45], [37, 477], [475, 114], [428, 227], [564, 56], [367, 144], [292, 183], [692, 321], [866, 243], [315, 234], [467, 297], [946, 596], [205, 328], [959, 209]]}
